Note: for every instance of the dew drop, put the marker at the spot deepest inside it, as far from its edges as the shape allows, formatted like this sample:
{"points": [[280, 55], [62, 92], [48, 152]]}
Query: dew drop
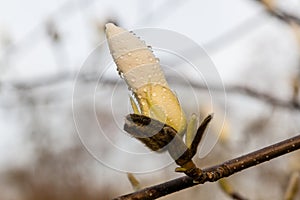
{"points": [[154, 94], [150, 59], [129, 54], [133, 80], [139, 96], [163, 96], [143, 103], [121, 57], [145, 90], [149, 76]]}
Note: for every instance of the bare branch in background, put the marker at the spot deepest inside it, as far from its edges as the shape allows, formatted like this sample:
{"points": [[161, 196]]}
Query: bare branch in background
{"points": [[217, 172], [279, 14], [263, 97], [86, 78], [294, 22]]}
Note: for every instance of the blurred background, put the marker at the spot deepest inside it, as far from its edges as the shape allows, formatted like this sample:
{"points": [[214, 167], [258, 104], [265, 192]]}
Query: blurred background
{"points": [[254, 45]]}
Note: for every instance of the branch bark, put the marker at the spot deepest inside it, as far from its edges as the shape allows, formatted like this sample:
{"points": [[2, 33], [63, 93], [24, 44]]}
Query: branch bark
{"points": [[217, 172]]}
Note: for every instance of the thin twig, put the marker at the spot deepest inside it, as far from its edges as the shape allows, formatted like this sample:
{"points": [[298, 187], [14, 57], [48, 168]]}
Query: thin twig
{"points": [[217, 172]]}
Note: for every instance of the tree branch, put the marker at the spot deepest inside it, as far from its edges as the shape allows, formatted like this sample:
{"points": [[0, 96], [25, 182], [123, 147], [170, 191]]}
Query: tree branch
{"points": [[217, 172]]}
